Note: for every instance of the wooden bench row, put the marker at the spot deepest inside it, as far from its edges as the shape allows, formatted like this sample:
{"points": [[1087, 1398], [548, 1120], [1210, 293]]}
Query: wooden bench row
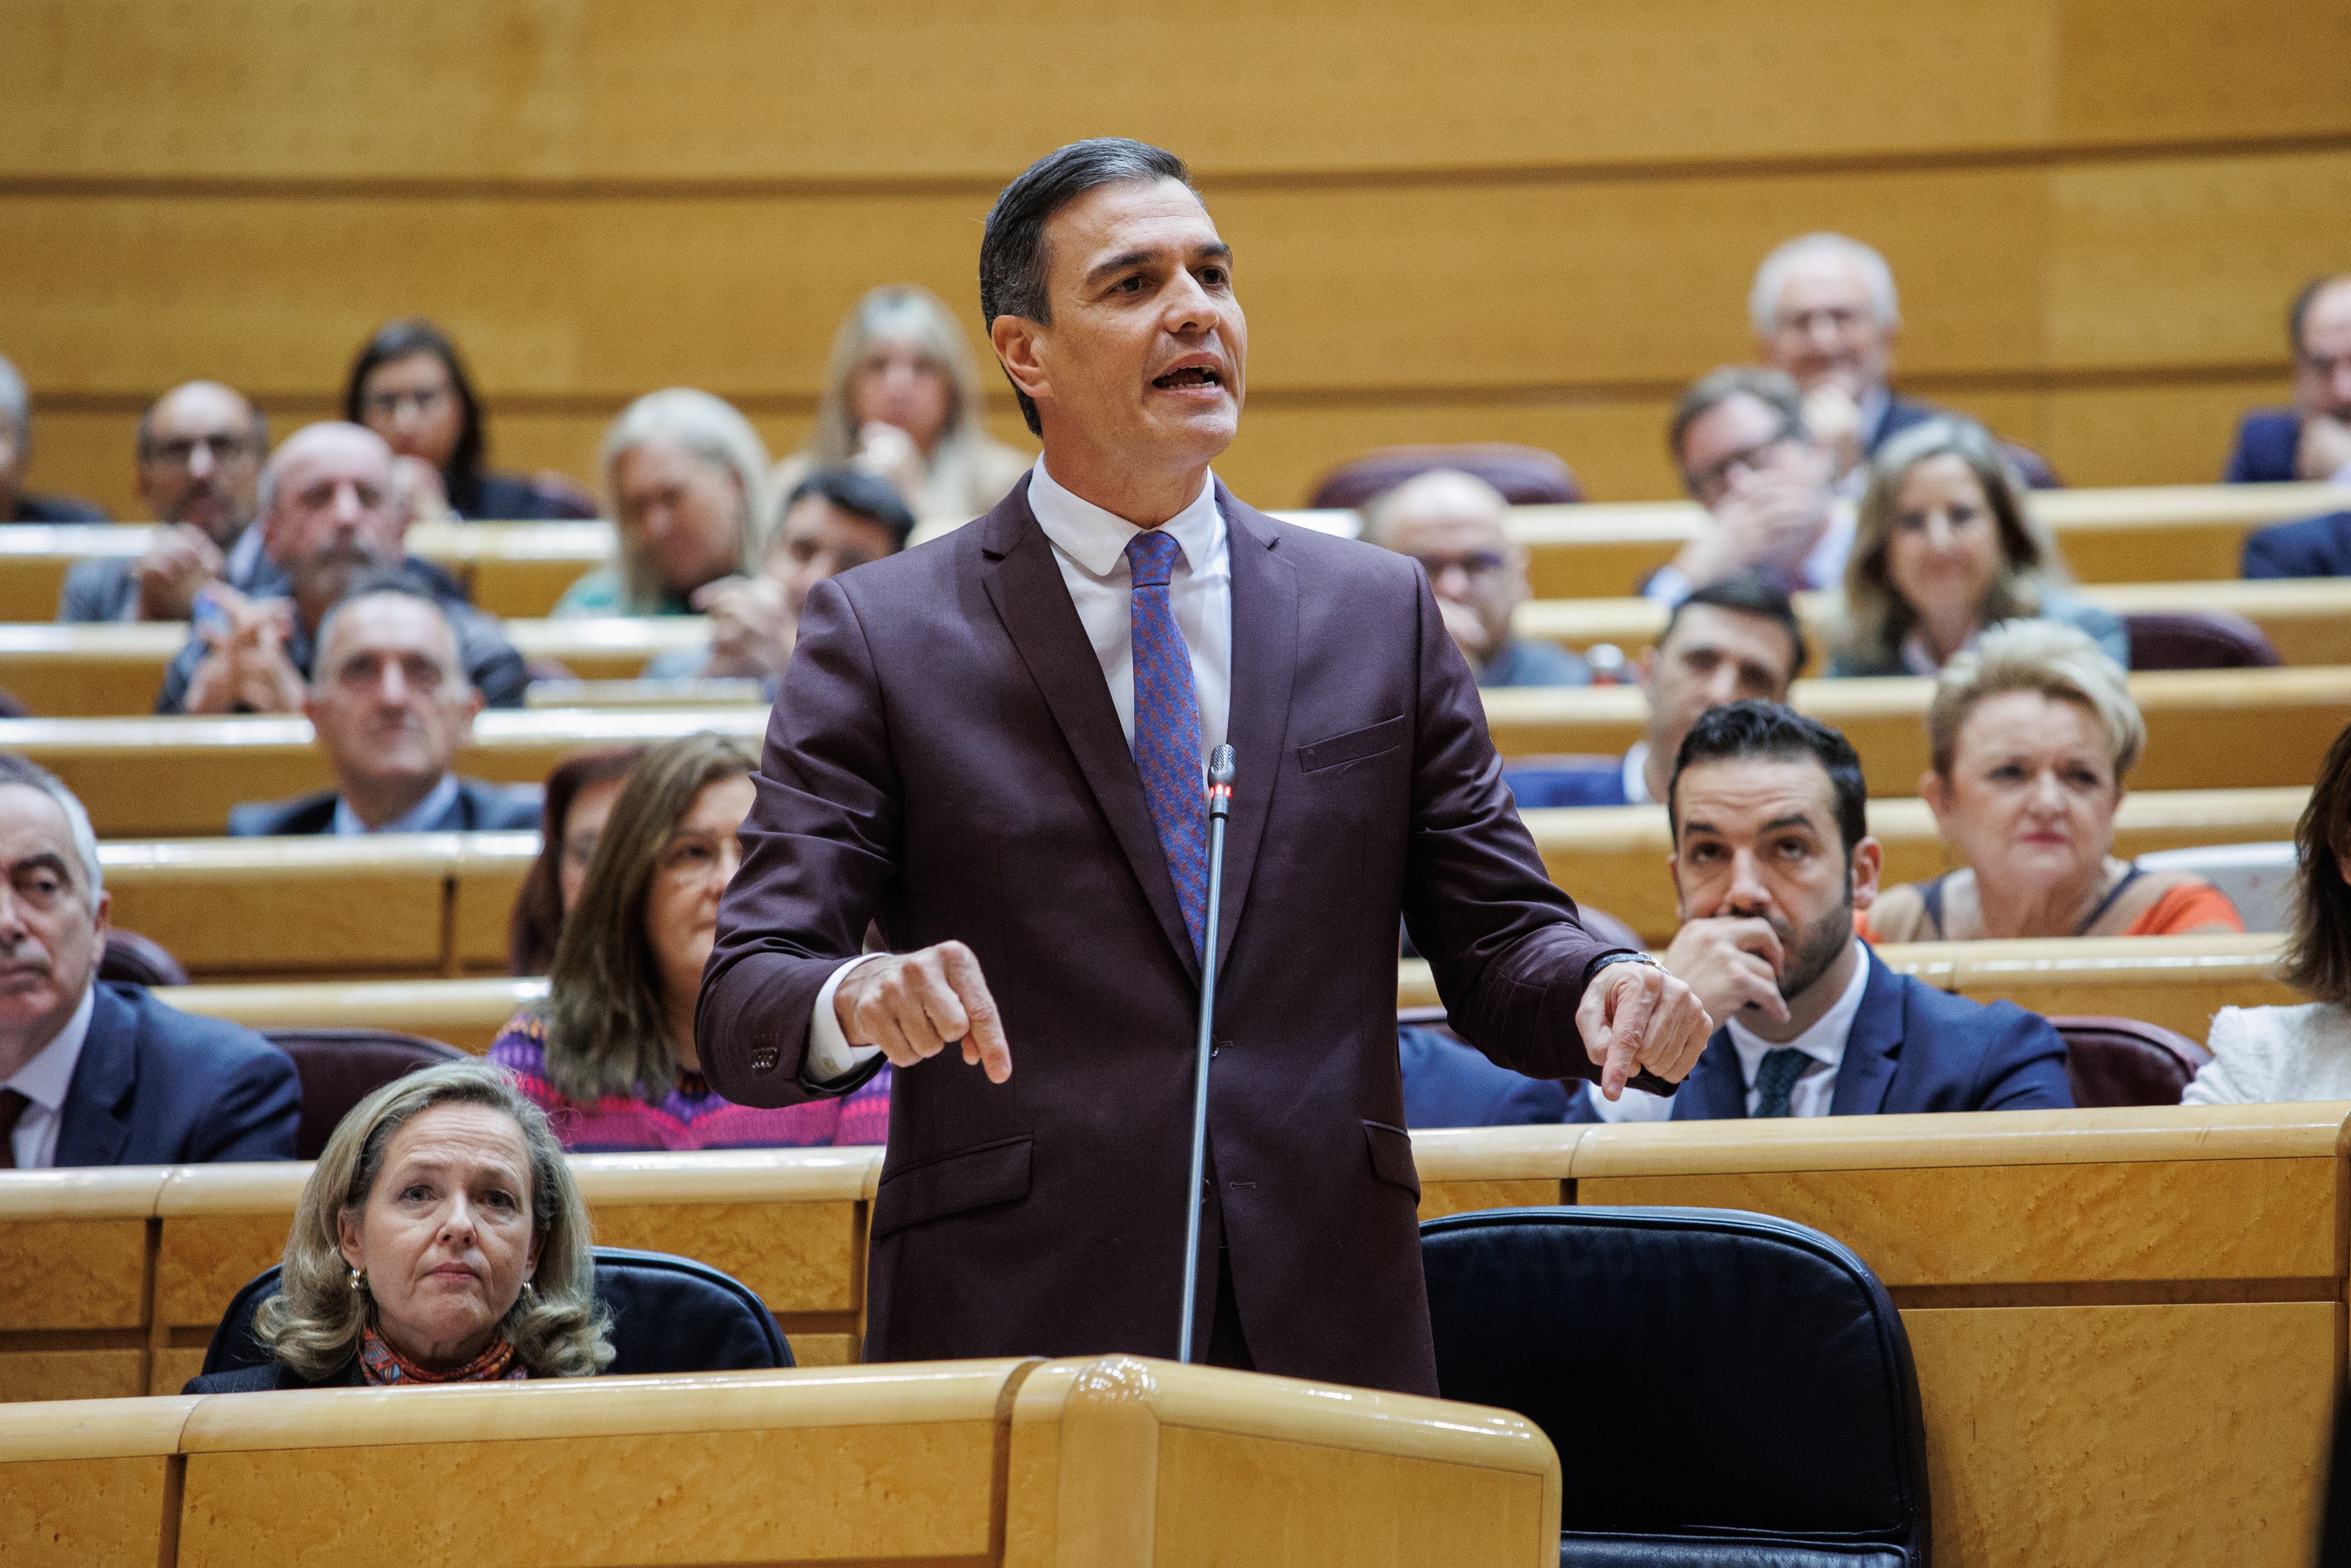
{"points": [[437, 904], [2056, 1270], [1086, 1463], [2166, 533]]}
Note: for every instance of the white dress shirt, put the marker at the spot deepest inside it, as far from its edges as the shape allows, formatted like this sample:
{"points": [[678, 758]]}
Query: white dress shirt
{"points": [[44, 1082], [1822, 569], [416, 820], [1824, 1042], [1089, 546]]}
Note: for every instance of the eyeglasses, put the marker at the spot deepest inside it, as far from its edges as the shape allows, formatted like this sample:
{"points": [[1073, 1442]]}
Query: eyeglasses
{"points": [[1473, 563], [387, 403], [179, 451], [1708, 483]]}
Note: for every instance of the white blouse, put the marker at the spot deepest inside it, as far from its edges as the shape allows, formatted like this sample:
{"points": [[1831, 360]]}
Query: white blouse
{"points": [[2276, 1054]]}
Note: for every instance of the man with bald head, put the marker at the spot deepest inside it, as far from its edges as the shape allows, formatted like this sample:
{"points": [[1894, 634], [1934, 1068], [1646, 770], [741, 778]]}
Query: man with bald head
{"points": [[1455, 525], [1825, 313], [200, 451], [328, 518], [392, 706], [18, 505]]}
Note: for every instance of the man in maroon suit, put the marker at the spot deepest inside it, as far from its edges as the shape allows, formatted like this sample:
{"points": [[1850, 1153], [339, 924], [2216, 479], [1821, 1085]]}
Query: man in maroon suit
{"points": [[989, 747]]}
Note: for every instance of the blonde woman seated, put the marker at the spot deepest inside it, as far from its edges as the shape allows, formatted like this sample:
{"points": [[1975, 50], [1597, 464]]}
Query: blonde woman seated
{"points": [[1944, 548], [610, 1055], [2300, 1052], [2032, 732], [902, 400], [685, 482], [439, 1240]]}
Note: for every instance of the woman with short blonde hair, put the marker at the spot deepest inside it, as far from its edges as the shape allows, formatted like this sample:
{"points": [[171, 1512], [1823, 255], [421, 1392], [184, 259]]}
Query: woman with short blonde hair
{"points": [[685, 482], [1943, 548], [2029, 733], [902, 399], [439, 1240]]}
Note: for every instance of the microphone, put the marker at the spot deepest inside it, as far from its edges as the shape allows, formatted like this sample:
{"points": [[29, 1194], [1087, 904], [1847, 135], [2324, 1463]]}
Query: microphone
{"points": [[1220, 806]]}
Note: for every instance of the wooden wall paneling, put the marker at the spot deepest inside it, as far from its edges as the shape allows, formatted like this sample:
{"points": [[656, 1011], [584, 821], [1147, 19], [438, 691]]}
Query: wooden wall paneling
{"points": [[2155, 435], [2199, 69]]}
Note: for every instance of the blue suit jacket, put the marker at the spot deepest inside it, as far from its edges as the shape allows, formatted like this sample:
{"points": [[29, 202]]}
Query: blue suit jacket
{"points": [[1912, 1048], [479, 808], [159, 1087], [1448, 1084], [1599, 783], [2266, 439], [2315, 547]]}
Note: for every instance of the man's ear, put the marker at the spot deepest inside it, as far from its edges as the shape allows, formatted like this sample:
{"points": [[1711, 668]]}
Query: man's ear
{"points": [[1016, 340], [1868, 864], [103, 915], [1681, 904]]}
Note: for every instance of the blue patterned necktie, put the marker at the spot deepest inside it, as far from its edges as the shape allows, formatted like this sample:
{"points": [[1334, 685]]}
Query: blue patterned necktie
{"points": [[1775, 1080], [1167, 727]]}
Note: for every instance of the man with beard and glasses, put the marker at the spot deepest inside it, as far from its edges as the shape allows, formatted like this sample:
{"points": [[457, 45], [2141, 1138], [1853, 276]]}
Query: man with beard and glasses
{"points": [[1771, 859], [392, 706], [328, 518], [95, 1073]]}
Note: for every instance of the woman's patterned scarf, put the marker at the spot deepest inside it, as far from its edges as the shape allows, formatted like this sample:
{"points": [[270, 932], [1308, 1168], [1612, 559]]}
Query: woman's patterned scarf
{"points": [[381, 1364]]}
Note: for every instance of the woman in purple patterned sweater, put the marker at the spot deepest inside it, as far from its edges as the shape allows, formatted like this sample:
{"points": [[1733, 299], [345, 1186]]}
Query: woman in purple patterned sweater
{"points": [[609, 1057]]}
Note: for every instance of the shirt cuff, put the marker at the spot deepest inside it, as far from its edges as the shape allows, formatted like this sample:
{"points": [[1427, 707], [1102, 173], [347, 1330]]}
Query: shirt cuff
{"points": [[831, 1056], [1633, 1105]]}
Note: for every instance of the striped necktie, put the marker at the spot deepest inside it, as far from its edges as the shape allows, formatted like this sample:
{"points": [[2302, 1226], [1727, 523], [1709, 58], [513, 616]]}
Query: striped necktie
{"points": [[1775, 1078], [1167, 727]]}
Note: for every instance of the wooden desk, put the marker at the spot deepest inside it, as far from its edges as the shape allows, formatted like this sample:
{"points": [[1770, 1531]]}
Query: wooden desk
{"points": [[2307, 620], [1088, 1463], [467, 1014], [2055, 1270]]}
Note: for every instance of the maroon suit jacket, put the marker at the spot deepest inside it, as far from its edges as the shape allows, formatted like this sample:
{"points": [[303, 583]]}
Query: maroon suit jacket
{"points": [[945, 761]]}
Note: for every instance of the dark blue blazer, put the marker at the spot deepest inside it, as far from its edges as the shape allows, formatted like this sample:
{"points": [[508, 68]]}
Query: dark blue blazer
{"points": [[1448, 1084], [2266, 440], [1912, 1048], [1599, 783], [2315, 547], [159, 1087], [479, 808]]}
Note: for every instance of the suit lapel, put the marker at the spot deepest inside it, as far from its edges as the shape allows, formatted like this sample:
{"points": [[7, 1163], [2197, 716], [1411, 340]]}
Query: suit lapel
{"points": [[1024, 583], [1265, 658], [1716, 1090], [1870, 1049], [95, 1124]]}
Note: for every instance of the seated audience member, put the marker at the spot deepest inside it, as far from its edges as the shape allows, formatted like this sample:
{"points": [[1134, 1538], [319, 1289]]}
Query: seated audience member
{"points": [[1772, 861], [18, 505], [390, 704], [1455, 525], [834, 519], [439, 1240], [2311, 439], [1944, 548], [686, 479], [1825, 312], [327, 519], [1449, 1084], [2300, 1052], [1733, 639], [2031, 733], [200, 451], [1746, 456], [93, 1073], [610, 1055], [902, 401], [410, 386], [578, 801]]}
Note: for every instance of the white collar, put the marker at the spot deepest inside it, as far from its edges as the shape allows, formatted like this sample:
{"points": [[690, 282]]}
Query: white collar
{"points": [[48, 1076], [1825, 1041], [1096, 540], [1636, 775], [417, 818]]}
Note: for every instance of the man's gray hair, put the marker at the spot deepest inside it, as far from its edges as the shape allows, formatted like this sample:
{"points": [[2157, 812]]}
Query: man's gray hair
{"points": [[15, 769], [15, 404], [1763, 299]]}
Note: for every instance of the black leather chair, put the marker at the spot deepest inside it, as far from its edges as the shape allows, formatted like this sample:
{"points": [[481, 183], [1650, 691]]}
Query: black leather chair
{"points": [[669, 1314], [1526, 475], [131, 960], [1725, 1390], [2122, 1061], [2198, 640], [340, 1067]]}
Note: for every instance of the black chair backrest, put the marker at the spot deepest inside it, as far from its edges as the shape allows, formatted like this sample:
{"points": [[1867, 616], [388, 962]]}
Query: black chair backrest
{"points": [[1526, 475], [2198, 640], [1723, 1389], [670, 1314], [341, 1067], [131, 960], [2122, 1061]]}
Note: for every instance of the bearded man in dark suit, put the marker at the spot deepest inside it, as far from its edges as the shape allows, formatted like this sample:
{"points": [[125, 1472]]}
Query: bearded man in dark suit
{"points": [[990, 748]]}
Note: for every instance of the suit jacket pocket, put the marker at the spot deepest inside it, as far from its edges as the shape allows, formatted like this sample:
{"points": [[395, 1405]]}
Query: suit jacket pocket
{"points": [[1392, 1156], [952, 1184], [1353, 745]]}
